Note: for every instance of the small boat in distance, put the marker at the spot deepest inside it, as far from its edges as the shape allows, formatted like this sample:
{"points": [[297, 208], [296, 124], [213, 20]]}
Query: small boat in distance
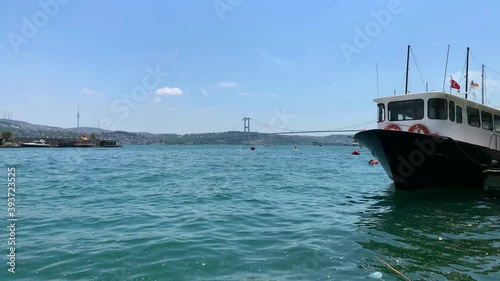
{"points": [[37, 143], [295, 148], [109, 143]]}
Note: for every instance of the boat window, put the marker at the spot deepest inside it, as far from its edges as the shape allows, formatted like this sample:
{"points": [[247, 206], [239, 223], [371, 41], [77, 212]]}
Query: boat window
{"points": [[497, 123], [473, 116], [406, 110], [436, 109], [381, 112], [459, 114], [487, 120], [452, 111]]}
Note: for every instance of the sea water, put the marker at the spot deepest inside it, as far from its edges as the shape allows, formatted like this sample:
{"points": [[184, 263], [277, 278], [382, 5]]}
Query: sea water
{"points": [[230, 213]]}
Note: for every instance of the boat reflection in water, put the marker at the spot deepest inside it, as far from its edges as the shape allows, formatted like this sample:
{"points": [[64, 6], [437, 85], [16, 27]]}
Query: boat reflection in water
{"points": [[434, 234]]}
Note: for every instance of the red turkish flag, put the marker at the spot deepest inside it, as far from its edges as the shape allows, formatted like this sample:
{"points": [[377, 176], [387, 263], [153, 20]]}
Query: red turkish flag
{"points": [[454, 84]]}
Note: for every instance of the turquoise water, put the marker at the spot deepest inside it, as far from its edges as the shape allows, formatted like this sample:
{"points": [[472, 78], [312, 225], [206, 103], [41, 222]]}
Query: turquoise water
{"points": [[228, 213]]}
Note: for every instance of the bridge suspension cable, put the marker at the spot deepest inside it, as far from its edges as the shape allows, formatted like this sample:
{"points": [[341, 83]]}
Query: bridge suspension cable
{"points": [[273, 127], [235, 126], [293, 131]]}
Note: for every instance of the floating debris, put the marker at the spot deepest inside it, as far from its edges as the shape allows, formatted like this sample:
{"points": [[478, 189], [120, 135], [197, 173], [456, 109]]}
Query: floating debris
{"points": [[375, 275], [395, 270]]}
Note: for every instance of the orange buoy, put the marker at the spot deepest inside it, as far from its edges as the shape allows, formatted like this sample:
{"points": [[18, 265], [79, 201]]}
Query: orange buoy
{"points": [[419, 129], [355, 152], [393, 127], [373, 162]]}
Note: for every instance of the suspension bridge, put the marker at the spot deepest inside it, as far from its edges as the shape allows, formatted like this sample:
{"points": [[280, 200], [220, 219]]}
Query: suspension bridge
{"points": [[273, 130]]}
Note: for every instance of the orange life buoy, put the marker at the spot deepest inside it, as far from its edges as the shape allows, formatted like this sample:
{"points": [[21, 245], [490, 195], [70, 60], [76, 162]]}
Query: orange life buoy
{"points": [[392, 127], [419, 129]]}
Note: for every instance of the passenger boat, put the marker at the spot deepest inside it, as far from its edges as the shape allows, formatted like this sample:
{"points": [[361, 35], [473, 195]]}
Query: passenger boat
{"points": [[434, 139], [37, 143]]}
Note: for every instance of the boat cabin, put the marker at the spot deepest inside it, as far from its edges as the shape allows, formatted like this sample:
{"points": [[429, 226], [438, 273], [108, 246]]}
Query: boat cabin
{"points": [[443, 114]]}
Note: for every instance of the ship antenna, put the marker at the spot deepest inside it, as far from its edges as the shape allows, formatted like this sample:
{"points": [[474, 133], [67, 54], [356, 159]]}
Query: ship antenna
{"points": [[446, 66], [482, 84], [376, 66], [407, 69], [467, 72]]}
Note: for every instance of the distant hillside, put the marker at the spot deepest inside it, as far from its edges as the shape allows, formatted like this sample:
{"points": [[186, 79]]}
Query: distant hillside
{"points": [[25, 129]]}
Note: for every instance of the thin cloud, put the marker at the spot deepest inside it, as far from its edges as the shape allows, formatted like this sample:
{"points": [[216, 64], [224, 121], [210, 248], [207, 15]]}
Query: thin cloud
{"points": [[157, 100], [169, 91], [246, 94], [90, 92], [204, 92], [268, 56], [228, 84]]}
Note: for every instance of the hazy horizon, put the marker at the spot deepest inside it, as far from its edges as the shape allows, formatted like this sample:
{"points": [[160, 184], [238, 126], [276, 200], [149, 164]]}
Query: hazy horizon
{"points": [[168, 133]]}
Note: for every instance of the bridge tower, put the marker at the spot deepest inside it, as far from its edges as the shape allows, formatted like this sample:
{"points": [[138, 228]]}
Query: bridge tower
{"points": [[246, 124], [246, 129]]}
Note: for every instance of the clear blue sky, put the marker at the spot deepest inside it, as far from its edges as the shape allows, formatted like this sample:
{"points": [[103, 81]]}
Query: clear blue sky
{"points": [[293, 64]]}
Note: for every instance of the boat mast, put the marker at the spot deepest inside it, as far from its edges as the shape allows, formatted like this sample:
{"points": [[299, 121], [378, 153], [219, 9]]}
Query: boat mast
{"points": [[482, 84], [467, 72], [446, 66], [407, 69]]}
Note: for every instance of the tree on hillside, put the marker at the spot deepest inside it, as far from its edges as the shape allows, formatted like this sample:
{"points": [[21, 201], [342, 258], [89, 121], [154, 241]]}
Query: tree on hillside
{"points": [[7, 135], [92, 136]]}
